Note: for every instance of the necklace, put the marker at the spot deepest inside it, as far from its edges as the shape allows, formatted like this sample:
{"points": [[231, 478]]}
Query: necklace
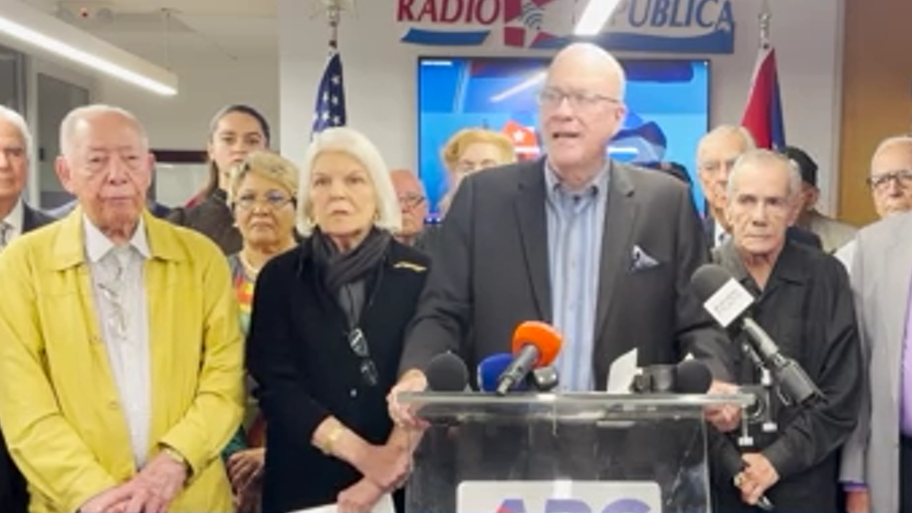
{"points": [[249, 269]]}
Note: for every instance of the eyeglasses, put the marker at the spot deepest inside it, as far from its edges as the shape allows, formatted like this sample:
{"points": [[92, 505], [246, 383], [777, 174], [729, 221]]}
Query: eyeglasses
{"points": [[411, 200], [714, 166], [358, 344], [272, 199], [881, 181], [553, 98]]}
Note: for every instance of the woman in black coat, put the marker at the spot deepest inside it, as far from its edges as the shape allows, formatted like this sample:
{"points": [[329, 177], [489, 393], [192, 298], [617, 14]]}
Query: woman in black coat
{"points": [[326, 335]]}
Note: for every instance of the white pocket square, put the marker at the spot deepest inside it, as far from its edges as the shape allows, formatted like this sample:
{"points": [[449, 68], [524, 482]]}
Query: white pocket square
{"points": [[641, 260]]}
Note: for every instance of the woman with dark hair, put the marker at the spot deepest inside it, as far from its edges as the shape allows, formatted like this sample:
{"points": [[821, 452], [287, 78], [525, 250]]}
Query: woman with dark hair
{"points": [[234, 131], [326, 335]]}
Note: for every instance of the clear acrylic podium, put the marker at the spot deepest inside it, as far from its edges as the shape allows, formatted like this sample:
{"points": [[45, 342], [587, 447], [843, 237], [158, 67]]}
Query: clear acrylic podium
{"points": [[561, 453]]}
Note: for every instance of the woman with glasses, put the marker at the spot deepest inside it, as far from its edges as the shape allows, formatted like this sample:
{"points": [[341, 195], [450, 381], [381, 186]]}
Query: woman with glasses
{"points": [[261, 194], [326, 334], [234, 131]]}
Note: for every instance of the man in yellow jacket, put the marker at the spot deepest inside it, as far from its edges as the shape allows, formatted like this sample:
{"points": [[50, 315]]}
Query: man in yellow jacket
{"points": [[120, 352]]}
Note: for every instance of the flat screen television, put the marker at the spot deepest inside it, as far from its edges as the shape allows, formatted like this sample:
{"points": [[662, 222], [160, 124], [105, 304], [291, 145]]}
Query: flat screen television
{"points": [[667, 102]]}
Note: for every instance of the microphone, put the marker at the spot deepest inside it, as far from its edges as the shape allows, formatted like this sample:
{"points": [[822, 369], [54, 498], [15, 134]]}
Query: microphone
{"points": [[687, 377], [545, 379], [535, 344], [727, 301], [447, 373], [732, 464], [692, 377], [490, 369]]}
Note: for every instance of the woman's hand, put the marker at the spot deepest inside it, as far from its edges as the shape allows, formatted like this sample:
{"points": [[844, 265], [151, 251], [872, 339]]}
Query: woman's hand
{"points": [[360, 497]]}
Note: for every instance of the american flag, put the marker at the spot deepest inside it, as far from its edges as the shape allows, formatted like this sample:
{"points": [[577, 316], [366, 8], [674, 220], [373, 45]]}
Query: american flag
{"points": [[330, 106]]}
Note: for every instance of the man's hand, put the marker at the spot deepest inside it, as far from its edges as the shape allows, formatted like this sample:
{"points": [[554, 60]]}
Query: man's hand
{"points": [[359, 497], [113, 500], [726, 417], [387, 466], [157, 484], [858, 501], [758, 477], [244, 467], [403, 415]]}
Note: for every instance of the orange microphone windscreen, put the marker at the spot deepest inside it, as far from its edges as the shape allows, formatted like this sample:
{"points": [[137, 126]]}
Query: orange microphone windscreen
{"points": [[541, 335]]}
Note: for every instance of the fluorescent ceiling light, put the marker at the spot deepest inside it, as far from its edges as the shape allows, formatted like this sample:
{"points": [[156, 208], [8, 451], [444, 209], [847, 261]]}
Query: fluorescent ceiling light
{"points": [[27, 28], [594, 17]]}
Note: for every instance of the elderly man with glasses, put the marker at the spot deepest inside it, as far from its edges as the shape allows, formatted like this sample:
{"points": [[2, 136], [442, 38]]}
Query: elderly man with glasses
{"points": [[412, 203], [890, 181], [598, 248], [877, 461], [122, 354]]}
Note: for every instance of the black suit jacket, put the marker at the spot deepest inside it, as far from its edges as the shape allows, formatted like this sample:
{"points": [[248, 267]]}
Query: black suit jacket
{"points": [[32, 219], [299, 356], [13, 491], [794, 233], [491, 272]]}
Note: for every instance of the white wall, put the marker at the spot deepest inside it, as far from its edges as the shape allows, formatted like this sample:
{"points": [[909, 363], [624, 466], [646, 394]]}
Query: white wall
{"points": [[381, 86], [182, 122], [205, 85]]}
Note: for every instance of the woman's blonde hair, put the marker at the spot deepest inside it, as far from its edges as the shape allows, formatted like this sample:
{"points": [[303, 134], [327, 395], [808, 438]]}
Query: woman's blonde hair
{"points": [[265, 164], [456, 146], [355, 144]]}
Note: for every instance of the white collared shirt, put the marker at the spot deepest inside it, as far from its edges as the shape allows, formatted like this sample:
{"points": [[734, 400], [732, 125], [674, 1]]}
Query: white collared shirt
{"points": [[720, 236], [15, 221], [122, 310]]}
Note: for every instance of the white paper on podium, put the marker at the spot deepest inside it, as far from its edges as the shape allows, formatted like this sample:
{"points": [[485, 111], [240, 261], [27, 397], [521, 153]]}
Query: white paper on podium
{"points": [[384, 505], [622, 372]]}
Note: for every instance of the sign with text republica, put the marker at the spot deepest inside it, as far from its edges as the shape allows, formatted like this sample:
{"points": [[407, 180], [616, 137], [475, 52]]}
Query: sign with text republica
{"points": [[665, 26]]}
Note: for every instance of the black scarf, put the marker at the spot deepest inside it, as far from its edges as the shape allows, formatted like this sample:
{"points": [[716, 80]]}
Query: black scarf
{"points": [[339, 269]]}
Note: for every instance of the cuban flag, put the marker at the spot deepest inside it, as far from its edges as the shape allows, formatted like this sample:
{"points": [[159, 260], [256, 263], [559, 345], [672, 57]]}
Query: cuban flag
{"points": [[329, 110], [763, 112]]}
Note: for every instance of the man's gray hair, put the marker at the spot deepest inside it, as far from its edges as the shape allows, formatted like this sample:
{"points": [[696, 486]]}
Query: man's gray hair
{"points": [[14, 118], [721, 131], [356, 145], [72, 119], [890, 142], [765, 158]]}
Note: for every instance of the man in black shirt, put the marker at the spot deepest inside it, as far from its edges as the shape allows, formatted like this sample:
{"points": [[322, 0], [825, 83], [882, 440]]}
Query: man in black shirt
{"points": [[805, 304]]}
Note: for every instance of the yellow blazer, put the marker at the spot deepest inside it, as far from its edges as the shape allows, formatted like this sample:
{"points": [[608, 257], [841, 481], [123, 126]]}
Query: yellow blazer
{"points": [[59, 407]]}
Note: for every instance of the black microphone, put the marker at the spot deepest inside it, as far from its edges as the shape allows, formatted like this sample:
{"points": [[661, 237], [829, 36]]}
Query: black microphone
{"points": [[727, 301], [687, 377], [732, 465], [692, 377], [447, 373]]}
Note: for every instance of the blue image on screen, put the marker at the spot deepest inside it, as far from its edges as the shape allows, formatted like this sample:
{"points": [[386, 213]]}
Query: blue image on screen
{"points": [[667, 103]]}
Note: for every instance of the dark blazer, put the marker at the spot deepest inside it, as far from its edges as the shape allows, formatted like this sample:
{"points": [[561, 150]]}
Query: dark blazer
{"points": [[212, 218], [491, 272], [298, 354], [794, 233], [33, 219], [13, 492]]}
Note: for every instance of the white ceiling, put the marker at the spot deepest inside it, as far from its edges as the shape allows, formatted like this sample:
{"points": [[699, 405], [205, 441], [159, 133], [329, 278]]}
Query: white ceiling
{"points": [[168, 31]]}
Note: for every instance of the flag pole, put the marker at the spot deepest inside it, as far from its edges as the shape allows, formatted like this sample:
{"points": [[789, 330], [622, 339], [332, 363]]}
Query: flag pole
{"points": [[334, 15], [765, 24]]}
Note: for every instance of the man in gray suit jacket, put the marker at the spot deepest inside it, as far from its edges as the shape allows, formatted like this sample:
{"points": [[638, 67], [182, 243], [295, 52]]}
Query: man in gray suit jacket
{"points": [[877, 460], [602, 250]]}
